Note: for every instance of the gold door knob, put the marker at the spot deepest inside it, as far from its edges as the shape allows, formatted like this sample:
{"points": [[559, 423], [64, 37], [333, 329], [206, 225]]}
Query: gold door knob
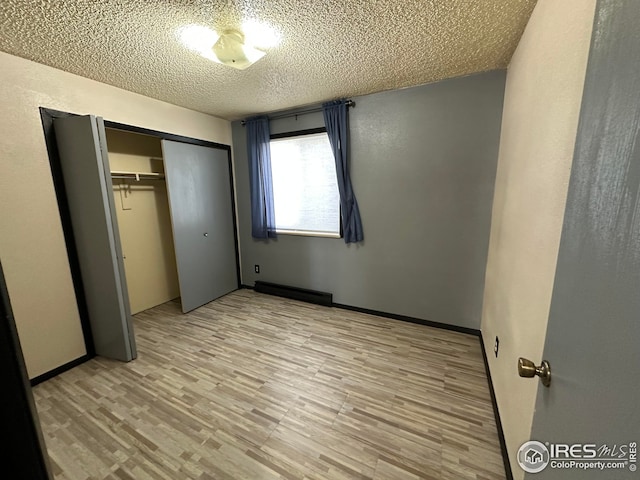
{"points": [[528, 369]]}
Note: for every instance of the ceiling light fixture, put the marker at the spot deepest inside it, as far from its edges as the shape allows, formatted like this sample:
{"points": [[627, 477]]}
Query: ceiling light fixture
{"points": [[231, 50], [261, 35], [198, 39]]}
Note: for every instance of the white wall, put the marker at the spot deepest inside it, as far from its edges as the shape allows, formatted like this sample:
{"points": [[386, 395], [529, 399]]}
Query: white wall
{"points": [[32, 248], [543, 95]]}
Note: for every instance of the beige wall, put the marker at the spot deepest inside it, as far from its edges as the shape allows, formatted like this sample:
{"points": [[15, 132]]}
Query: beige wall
{"points": [[142, 209], [542, 103], [32, 248]]}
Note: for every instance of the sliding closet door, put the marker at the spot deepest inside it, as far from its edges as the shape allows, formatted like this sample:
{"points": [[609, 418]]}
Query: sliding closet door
{"points": [[200, 200], [85, 167]]}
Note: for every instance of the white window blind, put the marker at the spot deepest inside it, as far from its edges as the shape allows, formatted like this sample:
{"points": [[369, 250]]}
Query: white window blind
{"points": [[305, 189]]}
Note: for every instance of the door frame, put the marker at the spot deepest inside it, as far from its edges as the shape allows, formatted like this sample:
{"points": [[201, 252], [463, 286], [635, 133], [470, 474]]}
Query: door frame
{"points": [[48, 116], [25, 455]]}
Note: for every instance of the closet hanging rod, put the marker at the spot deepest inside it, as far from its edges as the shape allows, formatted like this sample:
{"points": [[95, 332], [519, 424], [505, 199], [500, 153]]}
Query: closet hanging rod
{"points": [[138, 175]]}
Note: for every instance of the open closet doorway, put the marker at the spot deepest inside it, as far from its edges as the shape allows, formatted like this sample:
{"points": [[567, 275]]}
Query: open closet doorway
{"points": [[147, 216], [144, 221]]}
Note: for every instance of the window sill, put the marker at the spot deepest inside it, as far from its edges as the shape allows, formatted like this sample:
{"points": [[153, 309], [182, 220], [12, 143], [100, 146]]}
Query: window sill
{"points": [[307, 233]]}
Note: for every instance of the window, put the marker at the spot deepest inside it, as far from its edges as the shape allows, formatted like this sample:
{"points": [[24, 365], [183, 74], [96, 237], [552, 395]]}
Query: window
{"points": [[305, 190]]}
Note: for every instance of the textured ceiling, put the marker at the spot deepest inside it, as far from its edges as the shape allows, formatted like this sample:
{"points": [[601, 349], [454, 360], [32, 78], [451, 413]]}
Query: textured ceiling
{"points": [[329, 48]]}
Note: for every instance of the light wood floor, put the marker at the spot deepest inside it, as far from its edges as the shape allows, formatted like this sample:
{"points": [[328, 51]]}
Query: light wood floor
{"points": [[258, 387]]}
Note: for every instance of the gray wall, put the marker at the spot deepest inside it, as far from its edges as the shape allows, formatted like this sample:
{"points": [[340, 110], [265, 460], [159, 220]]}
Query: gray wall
{"points": [[423, 165]]}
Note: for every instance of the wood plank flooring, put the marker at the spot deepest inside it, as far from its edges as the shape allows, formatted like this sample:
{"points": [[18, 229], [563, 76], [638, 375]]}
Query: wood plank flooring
{"points": [[258, 387]]}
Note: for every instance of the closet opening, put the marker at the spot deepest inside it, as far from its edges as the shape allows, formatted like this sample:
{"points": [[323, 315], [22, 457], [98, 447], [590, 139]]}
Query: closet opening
{"points": [[144, 221], [151, 246]]}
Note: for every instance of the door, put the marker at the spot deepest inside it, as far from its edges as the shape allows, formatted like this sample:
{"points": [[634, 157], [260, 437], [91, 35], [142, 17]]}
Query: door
{"points": [[201, 205], [593, 334], [85, 168]]}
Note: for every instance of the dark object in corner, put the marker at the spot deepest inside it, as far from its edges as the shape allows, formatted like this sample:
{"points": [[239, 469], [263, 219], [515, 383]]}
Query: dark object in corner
{"points": [[24, 456], [295, 293]]}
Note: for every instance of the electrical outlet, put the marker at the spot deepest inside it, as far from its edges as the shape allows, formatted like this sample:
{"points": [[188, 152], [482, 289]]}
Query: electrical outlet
{"points": [[496, 346], [256, 268]]}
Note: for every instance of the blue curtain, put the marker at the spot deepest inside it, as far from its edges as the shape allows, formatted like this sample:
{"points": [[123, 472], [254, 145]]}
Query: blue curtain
{"points": [[336, 120], [263, 219]]}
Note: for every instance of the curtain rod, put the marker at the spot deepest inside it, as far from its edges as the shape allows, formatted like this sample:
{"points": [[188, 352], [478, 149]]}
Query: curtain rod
{"points": [[350, 103]]}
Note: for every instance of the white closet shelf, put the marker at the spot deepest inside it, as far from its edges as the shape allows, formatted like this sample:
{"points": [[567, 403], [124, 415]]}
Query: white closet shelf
{"points": [[137, 175]]}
